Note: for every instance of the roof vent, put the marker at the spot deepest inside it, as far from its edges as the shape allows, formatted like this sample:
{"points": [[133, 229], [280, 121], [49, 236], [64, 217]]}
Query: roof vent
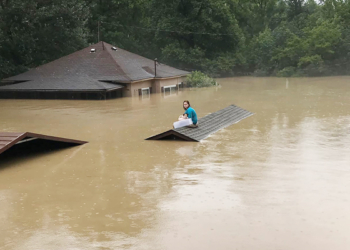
{"points": [[92, 50], [114, 48]]}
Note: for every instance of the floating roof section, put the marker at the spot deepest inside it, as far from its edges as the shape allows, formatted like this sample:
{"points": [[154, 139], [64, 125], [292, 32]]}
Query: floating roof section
{"points": [[8, 140], [85, 70], [206, 125]]}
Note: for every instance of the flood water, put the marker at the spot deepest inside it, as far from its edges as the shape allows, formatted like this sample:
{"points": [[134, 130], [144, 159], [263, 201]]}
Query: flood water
{"points": [[279, 179]]}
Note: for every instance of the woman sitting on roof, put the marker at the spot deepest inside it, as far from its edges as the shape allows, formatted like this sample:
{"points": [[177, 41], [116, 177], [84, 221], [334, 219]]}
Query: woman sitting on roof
{"points": [[190, 113]]}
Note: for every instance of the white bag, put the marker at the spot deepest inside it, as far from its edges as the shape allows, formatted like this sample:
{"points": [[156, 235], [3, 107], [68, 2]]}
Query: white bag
{"points": [[183, 123]]}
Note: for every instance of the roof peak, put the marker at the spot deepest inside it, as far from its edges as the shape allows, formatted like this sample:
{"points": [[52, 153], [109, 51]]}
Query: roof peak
{"points": [[100, 61]]}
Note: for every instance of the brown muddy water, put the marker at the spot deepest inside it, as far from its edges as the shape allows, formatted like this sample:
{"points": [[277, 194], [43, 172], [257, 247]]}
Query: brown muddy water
{"points": [[277, 180]]}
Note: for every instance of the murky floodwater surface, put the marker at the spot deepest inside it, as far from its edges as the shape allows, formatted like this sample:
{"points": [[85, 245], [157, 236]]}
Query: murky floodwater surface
{"points": [[277, 180]]}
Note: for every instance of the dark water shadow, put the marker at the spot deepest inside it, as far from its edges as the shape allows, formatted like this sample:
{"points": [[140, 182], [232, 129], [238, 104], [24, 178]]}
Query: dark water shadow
{"points": [[29, 150]]}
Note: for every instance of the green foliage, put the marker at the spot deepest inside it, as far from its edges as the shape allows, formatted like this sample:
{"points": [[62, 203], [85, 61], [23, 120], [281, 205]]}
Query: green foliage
{"points": [[194, 45], [262, 52], [217, 37], [34, 32], [287, 71], [198, 79]]}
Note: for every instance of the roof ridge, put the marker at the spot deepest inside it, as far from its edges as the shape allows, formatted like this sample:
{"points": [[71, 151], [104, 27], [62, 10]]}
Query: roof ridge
{"points": [[140, 56], [105, 64], [75, 52], [109, 53]]}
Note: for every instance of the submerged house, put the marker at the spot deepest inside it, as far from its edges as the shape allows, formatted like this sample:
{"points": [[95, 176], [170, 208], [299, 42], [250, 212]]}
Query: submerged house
{"points": [[100, 71]]}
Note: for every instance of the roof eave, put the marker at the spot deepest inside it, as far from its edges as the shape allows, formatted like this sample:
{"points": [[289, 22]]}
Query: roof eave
{"points": [[158, 78], [170, 77], [58, 90]]}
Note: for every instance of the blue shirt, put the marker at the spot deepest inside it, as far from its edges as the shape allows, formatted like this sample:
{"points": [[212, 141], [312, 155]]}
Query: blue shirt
{"points": [[192, 114]]}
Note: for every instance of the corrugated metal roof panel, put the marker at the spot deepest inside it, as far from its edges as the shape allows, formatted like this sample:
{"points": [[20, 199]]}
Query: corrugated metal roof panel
{"points": [[206, 125]]}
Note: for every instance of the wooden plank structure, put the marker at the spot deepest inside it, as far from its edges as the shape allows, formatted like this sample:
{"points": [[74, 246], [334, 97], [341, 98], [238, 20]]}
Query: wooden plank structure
{"points": [[206, 125], [8, 139]]}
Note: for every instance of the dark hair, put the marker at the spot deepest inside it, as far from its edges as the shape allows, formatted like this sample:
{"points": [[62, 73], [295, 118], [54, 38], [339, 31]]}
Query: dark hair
{"points": [[189, 105]]}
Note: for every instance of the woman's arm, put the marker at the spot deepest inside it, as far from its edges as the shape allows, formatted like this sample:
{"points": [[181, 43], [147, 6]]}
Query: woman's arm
{"points": [[182, 117]]}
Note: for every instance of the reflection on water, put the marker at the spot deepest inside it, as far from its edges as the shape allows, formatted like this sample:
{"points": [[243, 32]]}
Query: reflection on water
{"points": [[276, 180]]}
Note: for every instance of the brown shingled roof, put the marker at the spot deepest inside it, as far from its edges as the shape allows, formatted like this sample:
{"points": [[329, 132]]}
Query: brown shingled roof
{"points": [[84, 70]]}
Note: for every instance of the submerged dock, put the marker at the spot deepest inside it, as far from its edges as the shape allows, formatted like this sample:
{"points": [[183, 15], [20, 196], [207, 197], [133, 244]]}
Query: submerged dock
{"points": [[206, 125], [8, 139]]}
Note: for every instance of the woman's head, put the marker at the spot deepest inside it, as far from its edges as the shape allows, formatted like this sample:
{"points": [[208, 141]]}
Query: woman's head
{"points": [[186, 104]]}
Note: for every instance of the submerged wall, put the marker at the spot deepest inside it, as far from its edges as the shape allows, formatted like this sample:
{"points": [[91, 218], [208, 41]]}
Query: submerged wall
{"points": [[155, 85]]}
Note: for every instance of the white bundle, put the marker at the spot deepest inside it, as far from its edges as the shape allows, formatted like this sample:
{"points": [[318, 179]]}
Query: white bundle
{"points": [[183, 123]]}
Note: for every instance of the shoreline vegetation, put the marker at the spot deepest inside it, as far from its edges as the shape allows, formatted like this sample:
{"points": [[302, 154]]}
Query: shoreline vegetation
{"points": [[198, 79], [221, 38]]}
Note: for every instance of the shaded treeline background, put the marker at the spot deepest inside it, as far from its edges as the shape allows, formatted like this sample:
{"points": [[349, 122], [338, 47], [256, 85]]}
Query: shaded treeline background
{"points": [[219, 37]]}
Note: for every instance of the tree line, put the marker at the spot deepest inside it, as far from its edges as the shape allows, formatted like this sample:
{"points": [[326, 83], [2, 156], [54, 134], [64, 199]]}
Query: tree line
{"points": [[218, 37]]}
